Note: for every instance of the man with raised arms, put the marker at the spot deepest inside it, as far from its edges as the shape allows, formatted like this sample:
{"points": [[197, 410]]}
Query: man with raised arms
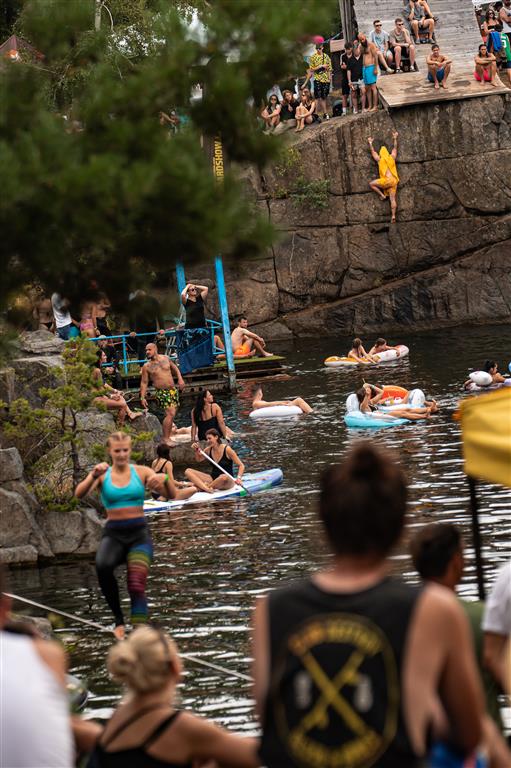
{"points": [[160, 372]]}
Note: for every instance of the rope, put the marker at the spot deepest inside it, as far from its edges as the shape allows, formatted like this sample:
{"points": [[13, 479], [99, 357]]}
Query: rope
{"points": [[101, 628]]}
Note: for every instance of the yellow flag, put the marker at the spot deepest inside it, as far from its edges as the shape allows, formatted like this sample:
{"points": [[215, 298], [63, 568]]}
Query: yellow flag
{"points": [[486, 431]]}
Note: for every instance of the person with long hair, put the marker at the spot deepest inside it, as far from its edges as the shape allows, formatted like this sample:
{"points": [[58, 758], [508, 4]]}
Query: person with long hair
{"points": [[369, 395], [114, 400], [271, 113], [162, 465], [486, 66], [224, 456], [306, 110], [126, 537], [351, 665], [358, 353], [146, 730], [208, 415]]}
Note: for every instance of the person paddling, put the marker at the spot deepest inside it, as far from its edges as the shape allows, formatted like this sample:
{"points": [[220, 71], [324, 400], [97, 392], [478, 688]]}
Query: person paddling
{"points": [[126, 537], [224, 456], [258, 401]]}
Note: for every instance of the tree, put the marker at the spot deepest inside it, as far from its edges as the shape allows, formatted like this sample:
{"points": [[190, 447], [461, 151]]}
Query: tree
{"points": [[93, 189]]}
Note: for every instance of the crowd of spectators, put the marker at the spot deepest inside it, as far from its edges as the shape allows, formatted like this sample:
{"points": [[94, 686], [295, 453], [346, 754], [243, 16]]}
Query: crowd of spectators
{"points": [[494, 53]]}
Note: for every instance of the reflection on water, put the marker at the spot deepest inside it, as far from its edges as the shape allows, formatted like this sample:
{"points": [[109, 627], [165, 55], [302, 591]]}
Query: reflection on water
{"points": [[212, 562]]}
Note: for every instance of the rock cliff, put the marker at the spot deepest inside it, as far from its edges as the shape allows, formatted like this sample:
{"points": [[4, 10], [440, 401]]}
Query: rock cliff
{"points": [[344, 268]]}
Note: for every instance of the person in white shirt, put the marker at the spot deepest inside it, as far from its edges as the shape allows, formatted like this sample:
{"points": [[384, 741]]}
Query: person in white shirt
{"points": [[35, 725], [62, 315], [497, 628], [381, 40]]}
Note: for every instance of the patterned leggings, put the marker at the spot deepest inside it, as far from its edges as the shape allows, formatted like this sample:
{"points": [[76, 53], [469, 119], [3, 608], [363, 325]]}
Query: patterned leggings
{"points": [[131, 544]]}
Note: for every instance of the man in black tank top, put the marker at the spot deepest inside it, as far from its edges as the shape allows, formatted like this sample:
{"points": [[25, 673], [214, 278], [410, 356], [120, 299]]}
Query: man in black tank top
{"points": [[348, 662]]}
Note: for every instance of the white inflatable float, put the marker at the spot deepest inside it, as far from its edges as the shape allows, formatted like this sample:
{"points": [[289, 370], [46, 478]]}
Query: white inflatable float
{"points": [[355, 419], [275, 412], [382, 357]]}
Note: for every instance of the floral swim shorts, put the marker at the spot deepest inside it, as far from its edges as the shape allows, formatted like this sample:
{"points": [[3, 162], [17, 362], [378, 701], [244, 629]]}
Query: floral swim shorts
{"points": [[167, 398]]}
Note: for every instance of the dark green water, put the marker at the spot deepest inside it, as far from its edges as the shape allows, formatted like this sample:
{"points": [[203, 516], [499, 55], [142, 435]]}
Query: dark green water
{"points": [[212, 562]]}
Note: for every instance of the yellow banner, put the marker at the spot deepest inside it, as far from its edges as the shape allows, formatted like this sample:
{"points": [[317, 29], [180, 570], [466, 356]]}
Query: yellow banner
{"points": [[486, 431]]}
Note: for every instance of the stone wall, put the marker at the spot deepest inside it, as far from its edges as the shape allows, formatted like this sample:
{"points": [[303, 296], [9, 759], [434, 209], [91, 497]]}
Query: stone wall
{"points": [[345, 269]]}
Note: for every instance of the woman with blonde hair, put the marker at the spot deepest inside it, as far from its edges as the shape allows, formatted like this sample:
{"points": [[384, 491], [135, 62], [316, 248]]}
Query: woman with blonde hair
{"points": [[126, 537], [146, 730]]}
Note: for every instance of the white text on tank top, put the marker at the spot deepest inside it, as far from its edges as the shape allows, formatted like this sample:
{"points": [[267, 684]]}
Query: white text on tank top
{"points": [[35, 712]]}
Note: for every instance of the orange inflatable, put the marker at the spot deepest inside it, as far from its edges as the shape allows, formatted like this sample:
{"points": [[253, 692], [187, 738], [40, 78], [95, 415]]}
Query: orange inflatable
{"points": [[392, 391]]}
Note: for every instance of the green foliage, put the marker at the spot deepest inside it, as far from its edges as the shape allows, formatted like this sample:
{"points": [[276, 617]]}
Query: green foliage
{"points": [[105, 194], [310, 193]]}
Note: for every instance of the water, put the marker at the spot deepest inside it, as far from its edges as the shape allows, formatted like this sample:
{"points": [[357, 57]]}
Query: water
{"points": [[212, 562]]}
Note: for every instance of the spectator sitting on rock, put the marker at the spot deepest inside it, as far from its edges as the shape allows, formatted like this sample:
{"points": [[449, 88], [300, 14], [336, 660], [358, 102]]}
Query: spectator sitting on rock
{"points": [[287, 113], [271, 113], [110, 371], [356, 77], [439, 67], [381, 40], [370, 72], [113, 401], [401, 43], [305, 111], [420, 18], [486, 66], [320, 64]]}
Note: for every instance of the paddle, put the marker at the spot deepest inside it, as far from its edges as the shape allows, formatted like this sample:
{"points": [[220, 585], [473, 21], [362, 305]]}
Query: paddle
{"points": [[208, 457]]}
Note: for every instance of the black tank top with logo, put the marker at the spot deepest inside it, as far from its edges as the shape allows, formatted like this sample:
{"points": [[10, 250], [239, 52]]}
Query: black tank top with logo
{"points": [[335, 687]]}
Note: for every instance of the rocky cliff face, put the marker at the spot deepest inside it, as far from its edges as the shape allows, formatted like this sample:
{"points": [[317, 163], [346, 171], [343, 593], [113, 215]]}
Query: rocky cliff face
{"points": [[344, 268]]}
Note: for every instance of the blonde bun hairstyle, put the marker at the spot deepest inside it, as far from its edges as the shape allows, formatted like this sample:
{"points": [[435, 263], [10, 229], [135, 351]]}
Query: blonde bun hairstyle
{"points": [[146, 661]]}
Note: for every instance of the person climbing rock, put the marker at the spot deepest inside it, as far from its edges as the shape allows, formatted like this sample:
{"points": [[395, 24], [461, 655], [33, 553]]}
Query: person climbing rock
{"points": [[386, 184]]}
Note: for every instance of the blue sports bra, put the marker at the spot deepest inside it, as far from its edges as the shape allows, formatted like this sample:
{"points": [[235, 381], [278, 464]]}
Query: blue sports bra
{"points": [[131, 495]]}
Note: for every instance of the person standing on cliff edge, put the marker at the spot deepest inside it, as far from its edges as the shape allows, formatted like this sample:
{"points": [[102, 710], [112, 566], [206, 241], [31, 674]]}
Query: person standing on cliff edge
{"points": [[386, 184]]}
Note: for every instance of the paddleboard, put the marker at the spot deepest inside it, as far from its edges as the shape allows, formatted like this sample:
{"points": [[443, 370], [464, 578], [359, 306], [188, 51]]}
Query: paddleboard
{"points": [[383, 357], [253, 481]]}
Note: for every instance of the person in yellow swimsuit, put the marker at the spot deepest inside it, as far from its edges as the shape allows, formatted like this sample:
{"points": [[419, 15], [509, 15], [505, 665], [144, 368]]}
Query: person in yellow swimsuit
{"points": [[386, 184]]}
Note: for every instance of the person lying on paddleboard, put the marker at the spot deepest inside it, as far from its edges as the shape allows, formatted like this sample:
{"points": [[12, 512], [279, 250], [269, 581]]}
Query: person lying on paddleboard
{"points": [[146, 728], [367, 404], [258, 402], [224, 456], [126, 537], [380, 345], [358, 353], [162, 465]]}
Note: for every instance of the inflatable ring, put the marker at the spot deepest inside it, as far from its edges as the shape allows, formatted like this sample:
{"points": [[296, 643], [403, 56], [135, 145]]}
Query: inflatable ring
{"points": [[276, 412]]}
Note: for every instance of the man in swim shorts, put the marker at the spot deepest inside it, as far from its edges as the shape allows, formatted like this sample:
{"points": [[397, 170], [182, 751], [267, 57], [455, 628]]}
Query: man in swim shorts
{"points": [[159, 372], [245, 343], [439, 67], [370, 71]]}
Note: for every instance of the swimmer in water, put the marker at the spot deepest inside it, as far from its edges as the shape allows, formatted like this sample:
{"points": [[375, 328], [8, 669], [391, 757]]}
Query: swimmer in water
{"points": [[380, 345], [258, 402]]}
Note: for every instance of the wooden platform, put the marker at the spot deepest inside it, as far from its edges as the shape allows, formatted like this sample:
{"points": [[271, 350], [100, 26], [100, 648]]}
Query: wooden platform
{"points": [[458, 36], [413, 88]]}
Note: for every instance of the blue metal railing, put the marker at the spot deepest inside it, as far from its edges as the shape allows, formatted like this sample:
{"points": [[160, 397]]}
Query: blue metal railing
{"points": [[123, 339]]}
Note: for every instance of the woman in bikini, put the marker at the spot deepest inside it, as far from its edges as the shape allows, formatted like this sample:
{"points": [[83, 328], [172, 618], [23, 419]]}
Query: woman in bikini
{"points": [[368, 400], [162, 465], [126, 537], [208, 415], [113, 401], [358, 353], [224, 456]]}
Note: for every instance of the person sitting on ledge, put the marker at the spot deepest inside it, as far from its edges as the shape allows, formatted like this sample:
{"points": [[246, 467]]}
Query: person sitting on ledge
{"points": [[439, 67], [420, 18], [245, 343], [401, 43], [486, 67], [271, 114], [386, 184]]}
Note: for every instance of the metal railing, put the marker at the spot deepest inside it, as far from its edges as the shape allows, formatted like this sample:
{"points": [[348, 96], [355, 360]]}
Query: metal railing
{"points": [[123, 340]]}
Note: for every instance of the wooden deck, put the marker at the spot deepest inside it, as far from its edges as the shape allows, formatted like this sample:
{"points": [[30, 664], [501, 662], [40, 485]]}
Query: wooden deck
{"points": [[458, 36], [413, 88]]}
